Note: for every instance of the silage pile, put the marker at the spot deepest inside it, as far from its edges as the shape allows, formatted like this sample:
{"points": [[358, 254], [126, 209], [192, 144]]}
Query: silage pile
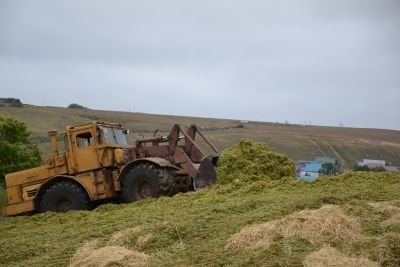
{"points": [[253, 161]]}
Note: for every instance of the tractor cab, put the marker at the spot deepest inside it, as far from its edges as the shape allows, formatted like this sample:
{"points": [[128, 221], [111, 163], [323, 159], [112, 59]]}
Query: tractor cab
{"points": [[93, 145]]}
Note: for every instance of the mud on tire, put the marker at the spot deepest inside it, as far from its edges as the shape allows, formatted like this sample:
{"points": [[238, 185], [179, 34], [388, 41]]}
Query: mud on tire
{"points": [[147, 181], [64, 196]]}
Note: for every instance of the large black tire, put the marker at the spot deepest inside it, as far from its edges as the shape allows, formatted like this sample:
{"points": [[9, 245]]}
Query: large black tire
{"points": [[64, 196], [147, 181]]}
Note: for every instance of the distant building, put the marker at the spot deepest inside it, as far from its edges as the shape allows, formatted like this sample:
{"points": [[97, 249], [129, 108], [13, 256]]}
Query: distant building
{"points": [[374, 165], [310, 171], [377, 163], [372, 162]]}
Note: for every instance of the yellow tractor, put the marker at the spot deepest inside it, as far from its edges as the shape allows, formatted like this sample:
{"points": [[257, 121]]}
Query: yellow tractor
{"points": [[98, 164]]}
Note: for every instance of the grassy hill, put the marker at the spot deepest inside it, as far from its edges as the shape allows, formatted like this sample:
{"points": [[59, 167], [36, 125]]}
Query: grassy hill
{"points": [[353, 218], [348, 145], [250, 220]]}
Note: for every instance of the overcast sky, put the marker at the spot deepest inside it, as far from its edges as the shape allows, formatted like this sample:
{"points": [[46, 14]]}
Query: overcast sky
{"points": [[320, 61]]}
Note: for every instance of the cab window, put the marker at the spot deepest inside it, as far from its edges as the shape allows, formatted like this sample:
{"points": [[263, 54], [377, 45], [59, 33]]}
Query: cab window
{"points": [[84, 140], [114, 136]]}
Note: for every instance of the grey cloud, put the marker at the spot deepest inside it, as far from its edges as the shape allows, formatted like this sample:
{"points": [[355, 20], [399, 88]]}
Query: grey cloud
{"points": [[324, 61]]}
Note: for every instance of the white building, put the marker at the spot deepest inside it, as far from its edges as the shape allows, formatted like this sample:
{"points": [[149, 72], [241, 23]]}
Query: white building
{"points": [[372, 162]]}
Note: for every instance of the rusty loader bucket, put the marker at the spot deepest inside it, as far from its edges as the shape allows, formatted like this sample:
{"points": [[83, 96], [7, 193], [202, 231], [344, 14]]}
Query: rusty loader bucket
{"points": [[206, 174]]}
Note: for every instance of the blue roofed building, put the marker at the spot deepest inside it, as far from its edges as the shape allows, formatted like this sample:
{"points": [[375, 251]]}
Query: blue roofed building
{"points": [[310, 171]]}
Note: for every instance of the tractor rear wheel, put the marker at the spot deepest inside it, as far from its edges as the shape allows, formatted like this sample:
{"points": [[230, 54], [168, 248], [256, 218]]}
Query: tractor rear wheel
{"points": [[64, 196], [147, 181]]}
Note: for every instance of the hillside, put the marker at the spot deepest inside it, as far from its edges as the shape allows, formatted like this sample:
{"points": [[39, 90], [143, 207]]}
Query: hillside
{"points": [[348, 145], [257, 214], [352, 219]]}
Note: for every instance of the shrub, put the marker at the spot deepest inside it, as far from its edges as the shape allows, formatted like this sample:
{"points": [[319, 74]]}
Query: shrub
{"points": [[77, 106], [17, 151]]}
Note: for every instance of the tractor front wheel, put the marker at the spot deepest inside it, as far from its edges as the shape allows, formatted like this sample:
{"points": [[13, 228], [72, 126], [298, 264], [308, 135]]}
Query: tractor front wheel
{"points": [[64, 196]]}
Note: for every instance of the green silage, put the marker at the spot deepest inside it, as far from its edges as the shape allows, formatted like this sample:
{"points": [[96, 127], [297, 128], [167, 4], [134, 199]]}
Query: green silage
{"points": [[256, 185], [194, 228], [249, 161]]}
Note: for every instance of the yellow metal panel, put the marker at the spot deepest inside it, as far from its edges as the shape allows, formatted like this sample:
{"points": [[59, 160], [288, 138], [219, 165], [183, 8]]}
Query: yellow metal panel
{"points": [[119, 156], [84, 158], [87, 179], [19, 208], [104, 184], [30, 192], [14, 194], [105, 156], [108, 190], [60, 161], [71, 164], [99, 182], [26, 176], [116, 181], [33, 175]]}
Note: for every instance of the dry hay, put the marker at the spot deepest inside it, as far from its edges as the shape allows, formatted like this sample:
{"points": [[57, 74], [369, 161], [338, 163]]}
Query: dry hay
{"points": [[389, 249], [120, 237], [325, 224], [330, 257], [386, 207], [114, 253], [89, 255], [253, 161], [391, 209], [144, 239], [392, 221]]}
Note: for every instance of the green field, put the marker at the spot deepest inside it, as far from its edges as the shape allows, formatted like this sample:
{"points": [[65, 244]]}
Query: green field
{"points": [[194, 229], [348, 145]]}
